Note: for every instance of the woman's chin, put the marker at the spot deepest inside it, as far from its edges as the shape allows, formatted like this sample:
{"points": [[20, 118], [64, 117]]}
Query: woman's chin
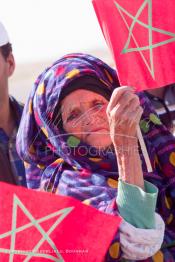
{"points": [[99, 141]]}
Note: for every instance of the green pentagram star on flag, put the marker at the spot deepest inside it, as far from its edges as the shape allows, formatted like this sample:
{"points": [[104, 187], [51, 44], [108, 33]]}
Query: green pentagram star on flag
{"points": [[61, 214], [150, 28], [142, 44], [40, 226]]}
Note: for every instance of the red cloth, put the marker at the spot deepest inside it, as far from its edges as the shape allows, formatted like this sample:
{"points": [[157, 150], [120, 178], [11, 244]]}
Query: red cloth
{"points": [[154, 65], [82, 234]]}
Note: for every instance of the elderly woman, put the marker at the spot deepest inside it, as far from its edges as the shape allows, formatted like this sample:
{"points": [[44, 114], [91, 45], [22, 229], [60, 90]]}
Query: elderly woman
{"points": [[78, 138]]}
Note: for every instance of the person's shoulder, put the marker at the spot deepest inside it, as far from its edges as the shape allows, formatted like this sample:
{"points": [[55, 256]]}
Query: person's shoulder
{"points": [[17, 108], [170, 95], [16, 102]]}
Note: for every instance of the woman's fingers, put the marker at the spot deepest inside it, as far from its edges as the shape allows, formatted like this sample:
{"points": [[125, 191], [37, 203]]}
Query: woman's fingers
{"points": [[120, 96], [132, 114], [125, 113]]}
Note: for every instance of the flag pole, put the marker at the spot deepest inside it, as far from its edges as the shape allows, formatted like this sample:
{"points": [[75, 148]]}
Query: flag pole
{"points": [[144, 150]]}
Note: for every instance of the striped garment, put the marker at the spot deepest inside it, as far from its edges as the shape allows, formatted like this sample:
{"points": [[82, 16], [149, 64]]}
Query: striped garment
{"points": [[60, 163], [8, 145]]}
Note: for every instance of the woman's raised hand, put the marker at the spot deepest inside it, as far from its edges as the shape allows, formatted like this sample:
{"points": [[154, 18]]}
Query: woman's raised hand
{"points": [[124, 113]]}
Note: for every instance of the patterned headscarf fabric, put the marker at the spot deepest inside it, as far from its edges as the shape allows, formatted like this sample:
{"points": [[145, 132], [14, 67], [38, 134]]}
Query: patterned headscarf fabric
{"points": [[60, 163]]}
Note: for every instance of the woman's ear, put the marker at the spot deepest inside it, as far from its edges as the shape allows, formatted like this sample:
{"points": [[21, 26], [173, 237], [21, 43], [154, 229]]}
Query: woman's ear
{"points": [[11, 64]]}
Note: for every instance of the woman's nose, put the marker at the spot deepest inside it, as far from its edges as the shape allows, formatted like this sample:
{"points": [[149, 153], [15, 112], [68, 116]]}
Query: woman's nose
{"points": [[87, 119]]}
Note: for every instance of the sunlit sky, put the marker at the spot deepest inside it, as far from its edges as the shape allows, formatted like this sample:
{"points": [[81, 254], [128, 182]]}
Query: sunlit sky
{"points": [[42, 29]]}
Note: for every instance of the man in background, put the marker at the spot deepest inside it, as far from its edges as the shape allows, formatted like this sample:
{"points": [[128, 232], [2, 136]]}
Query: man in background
{"points": [[163, 99], [11, 167]]}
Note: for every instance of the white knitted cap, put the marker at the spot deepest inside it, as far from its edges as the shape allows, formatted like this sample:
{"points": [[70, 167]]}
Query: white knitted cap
{"points": [[4, 39]]}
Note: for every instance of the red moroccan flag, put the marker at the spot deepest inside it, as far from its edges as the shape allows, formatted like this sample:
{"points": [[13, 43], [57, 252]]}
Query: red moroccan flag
{"points": [[36, 226], [141, 37]]}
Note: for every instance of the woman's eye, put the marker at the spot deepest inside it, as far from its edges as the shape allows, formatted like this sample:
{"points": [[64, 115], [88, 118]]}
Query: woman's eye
{"points": [[98, 105], [72, 116]]}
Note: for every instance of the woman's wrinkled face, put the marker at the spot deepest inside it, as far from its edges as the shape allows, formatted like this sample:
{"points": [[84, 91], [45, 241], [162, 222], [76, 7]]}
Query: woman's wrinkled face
{"points": [[84, 116]]}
